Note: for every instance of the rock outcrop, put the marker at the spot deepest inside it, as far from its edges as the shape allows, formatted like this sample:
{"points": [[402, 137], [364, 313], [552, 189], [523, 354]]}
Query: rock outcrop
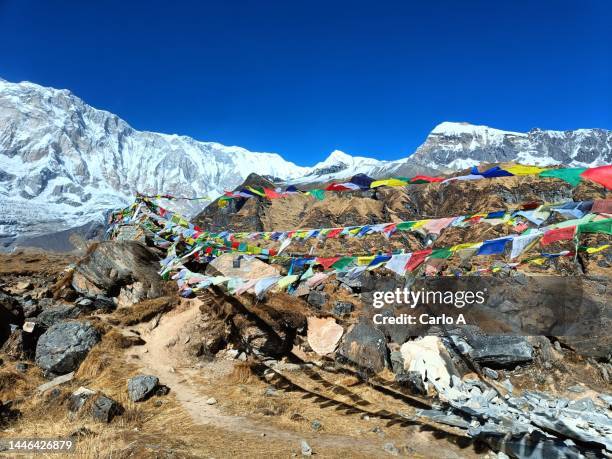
{"points": [[63, 347], [126, 270]]}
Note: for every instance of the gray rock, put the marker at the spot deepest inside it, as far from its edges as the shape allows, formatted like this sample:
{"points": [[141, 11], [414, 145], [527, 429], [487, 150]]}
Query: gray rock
{"points": [[576, 388], [63, 347], [342, 308], [31, 309], [305, 448], [104, 408], [53, 315], [317, 299], [490, 373], [78, 398], [85, 302], [119, 268], [11, 313], [104, 304], [316, 425], [607, 399], [365, 346], [391, 449], [141, 387], [500, 351], [412, 380]]}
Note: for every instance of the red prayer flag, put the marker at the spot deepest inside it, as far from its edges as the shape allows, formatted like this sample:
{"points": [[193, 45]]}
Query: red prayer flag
{"points": [[335, 232], [601, 175], [336, 187], [416, 259], [426, 178], [602, 206], [558, 234], [327, 262], [271, 194]]}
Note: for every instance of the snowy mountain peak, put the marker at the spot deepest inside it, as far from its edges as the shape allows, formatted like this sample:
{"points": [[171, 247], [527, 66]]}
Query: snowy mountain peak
{"points": [[337, 156], [456, 129], [453, 145]]}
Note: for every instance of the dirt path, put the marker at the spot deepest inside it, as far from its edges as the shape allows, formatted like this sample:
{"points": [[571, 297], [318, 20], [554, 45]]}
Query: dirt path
{"points": [[159, 357]]}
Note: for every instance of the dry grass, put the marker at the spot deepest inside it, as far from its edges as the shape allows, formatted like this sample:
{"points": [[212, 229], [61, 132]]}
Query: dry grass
{"points": [[143, 311], [241, 374], [12, 384]]}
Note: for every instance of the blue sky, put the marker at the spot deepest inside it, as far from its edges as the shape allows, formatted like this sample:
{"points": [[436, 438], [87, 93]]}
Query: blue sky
{"points": [[303, 78]]}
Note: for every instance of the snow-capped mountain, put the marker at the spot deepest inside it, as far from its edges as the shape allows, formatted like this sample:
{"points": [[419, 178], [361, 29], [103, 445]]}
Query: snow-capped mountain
{"points": [[64, 164], [462, 145]]}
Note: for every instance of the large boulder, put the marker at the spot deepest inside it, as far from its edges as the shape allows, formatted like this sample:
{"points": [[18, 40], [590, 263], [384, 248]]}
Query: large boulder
{"points": [[123, 269], [323, 334], [365, 346], [63, 347], [492, 350], [428, 357]]}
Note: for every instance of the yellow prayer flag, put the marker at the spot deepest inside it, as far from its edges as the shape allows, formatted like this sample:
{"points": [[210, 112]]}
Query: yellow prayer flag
{"points": [[538, 261], [388, 182], [419, 224], [463, 246], [519, 169], [597, 249], [364, 261]]}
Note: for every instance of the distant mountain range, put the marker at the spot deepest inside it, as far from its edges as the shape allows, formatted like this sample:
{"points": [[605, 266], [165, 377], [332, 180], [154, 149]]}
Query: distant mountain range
{"points": [[64, 164]]}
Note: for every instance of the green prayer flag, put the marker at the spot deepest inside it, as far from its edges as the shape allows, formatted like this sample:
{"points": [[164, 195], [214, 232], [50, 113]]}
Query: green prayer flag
{"points": [[601, 226], [569, 175], [403, 226], [342, 263], [445, 252], [317, 194]]}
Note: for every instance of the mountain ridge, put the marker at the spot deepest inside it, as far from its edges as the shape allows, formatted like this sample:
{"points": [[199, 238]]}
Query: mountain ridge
{"points": [[64, 163]]}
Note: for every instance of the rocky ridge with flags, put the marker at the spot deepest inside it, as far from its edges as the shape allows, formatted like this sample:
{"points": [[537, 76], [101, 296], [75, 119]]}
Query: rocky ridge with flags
{"points": [[285, 281], [77, 163]]}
